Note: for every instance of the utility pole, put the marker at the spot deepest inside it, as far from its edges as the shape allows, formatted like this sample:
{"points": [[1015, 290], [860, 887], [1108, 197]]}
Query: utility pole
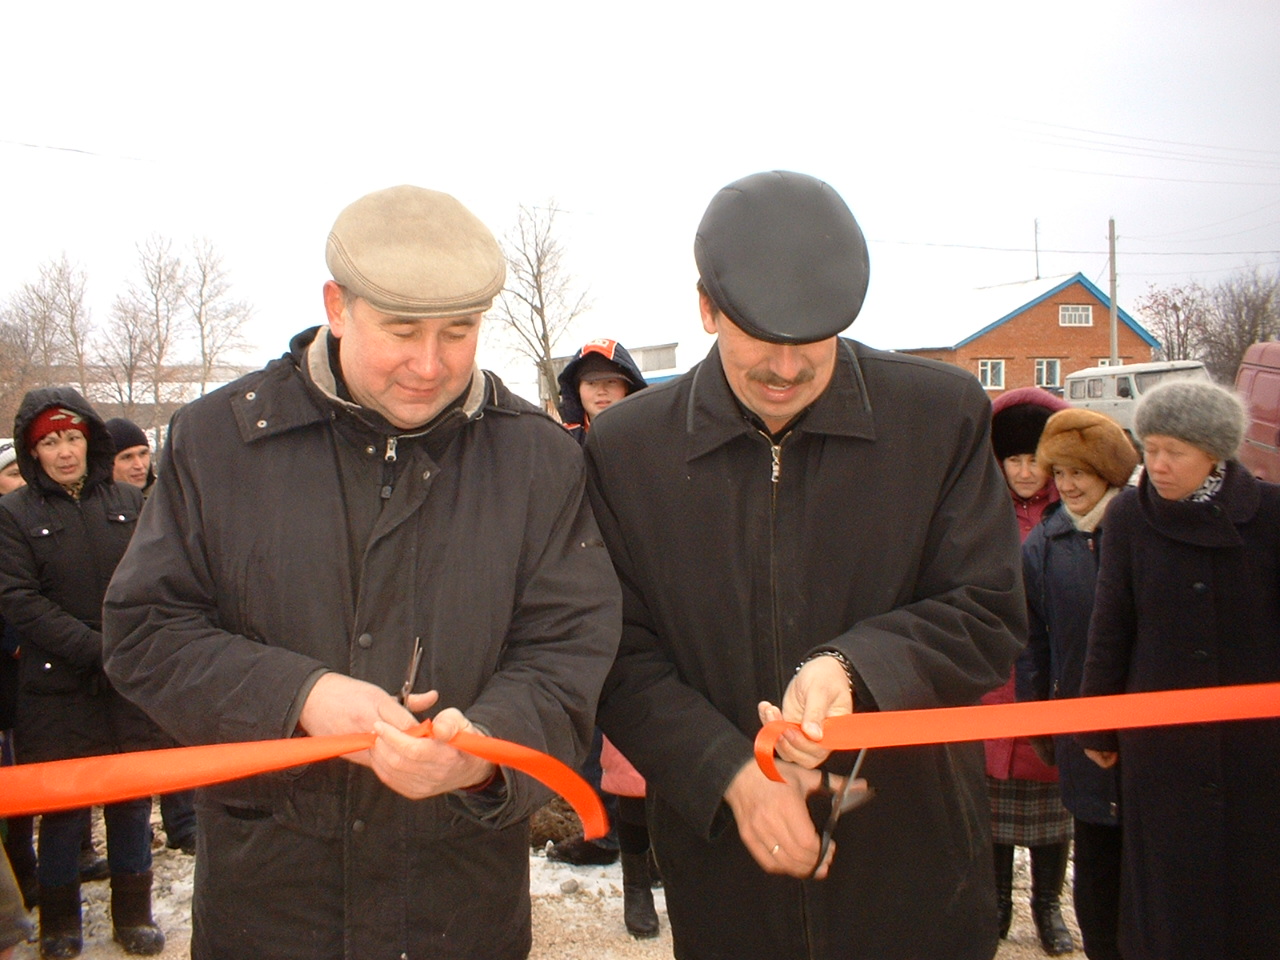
{"points": [[1037, 248], [1115, 344]]}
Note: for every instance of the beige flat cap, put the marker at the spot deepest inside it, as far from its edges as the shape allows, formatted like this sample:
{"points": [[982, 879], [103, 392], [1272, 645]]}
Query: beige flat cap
{"points": [[412, 252]]}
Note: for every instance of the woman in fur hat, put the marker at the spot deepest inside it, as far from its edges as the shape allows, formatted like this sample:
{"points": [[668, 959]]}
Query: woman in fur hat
{"points": [[1189, 596], [1026, 806], [1091, 460]]}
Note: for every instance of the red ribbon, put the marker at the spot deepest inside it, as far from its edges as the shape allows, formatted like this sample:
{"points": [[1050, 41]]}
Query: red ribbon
{"points": [[33, 788], [905, 728]]}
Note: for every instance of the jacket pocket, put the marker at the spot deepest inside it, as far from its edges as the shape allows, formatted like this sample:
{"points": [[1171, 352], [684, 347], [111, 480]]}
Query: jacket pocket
{"points": [[45, 673]]}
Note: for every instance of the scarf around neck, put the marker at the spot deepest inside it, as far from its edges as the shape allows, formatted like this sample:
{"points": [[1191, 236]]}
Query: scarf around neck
{"points": [[1089, 522]]}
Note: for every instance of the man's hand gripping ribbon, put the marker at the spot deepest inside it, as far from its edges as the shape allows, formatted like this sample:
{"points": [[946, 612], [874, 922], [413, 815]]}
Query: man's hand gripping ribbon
{"points": [[89, 781], [905, 728]]}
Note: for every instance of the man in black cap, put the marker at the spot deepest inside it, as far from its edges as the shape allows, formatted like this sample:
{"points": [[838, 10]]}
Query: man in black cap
{"points": [[803, 521], [370, 530]]}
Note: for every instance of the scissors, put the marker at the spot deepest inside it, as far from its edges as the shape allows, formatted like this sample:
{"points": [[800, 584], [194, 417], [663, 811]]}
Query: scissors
{"points": [[853, 794], [411, 675]]}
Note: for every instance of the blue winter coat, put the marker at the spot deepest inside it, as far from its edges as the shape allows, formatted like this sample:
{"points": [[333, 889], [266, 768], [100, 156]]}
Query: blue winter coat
{"points": [[1060, 567]]}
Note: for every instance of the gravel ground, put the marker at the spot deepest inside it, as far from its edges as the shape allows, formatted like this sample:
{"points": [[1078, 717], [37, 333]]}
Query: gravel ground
{"points": [[577, 913]]}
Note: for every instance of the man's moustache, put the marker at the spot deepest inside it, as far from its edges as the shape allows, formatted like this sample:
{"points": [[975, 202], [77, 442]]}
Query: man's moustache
{"points": [[778, 383]]}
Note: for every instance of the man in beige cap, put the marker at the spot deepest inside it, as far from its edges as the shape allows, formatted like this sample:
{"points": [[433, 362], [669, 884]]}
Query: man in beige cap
{"points": [[371, 515]]}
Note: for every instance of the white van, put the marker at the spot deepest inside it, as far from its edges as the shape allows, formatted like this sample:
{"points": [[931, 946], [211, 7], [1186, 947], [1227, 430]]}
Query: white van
{"points": [[1115, 390]]}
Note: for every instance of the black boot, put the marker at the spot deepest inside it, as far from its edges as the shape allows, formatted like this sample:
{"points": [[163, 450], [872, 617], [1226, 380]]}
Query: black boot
{"points": [[582, 853], [637, 897], [131, 923], [22, 858], [1004, 885], [60, 936], [1048, 870]]}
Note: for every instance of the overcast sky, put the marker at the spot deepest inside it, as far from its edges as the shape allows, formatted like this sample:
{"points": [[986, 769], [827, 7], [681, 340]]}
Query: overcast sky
{"points": [[950, 129]]}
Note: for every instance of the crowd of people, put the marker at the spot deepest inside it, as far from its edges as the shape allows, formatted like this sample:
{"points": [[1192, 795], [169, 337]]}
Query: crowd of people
{"points": [[372, 530]]}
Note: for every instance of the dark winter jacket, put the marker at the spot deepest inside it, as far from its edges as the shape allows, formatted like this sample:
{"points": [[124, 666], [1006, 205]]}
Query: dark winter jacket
{"points": [[243, 584], [571, 413], [56, 557], [1189, 596], [887, 534], [1060, 568]]}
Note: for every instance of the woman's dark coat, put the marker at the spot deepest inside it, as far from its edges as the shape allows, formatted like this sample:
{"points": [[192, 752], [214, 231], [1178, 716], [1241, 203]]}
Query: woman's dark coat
{"points": [[1189, 596], [888, 535], [293, 532], [56, 557], [1060, 568]]}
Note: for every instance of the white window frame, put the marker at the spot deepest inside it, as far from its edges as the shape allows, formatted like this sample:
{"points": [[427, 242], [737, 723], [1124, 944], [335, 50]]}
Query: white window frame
{"points": [[1044, 364], [1106, 362], [991, 374], [1075, 315]]}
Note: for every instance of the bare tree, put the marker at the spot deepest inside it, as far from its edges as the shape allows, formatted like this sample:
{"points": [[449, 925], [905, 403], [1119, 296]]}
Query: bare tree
{"points": [[216, 319], [1177, 317], [1242, 310], [157, 303], [55, 323], [539, 301], [123, 354]]}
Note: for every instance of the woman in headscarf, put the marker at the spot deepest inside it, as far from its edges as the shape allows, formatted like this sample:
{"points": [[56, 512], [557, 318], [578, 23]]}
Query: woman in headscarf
{"points": [[1091, 460], [1189, 596], [61, 537], [1026, 806]]}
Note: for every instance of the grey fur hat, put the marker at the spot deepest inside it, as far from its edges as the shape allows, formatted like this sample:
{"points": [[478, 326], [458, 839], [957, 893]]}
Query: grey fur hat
{"points": [[1198, 412]]}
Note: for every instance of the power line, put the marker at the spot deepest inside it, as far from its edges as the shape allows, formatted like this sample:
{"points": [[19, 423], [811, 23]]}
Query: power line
{"points": [[1122, 136], [1085, 253]]}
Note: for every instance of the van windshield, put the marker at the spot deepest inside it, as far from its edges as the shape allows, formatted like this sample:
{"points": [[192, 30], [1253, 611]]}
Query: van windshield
{"points": [[1148, 380]]}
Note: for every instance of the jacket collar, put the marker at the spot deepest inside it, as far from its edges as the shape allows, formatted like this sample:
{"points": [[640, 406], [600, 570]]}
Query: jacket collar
{"points": [[1212, 523], [715, 417], [301, 389], [320, 372]]}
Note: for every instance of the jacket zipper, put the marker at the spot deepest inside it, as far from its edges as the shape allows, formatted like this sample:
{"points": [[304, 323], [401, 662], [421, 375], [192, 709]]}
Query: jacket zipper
{"points": [[775, 478], [388, 469]]}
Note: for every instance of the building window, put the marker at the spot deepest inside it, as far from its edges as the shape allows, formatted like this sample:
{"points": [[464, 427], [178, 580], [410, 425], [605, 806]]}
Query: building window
{"points": [[1075, 315], [991, 374], [1048, 373], [1106, 362]]}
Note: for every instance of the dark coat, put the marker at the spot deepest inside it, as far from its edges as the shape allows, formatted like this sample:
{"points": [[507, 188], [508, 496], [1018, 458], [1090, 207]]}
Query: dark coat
{"points": [[888, 535], [56, 557], [1189, 596], [1060, 567], [244, 583]]}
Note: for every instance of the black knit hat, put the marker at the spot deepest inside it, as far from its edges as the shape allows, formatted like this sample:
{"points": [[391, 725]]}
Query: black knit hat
{"points": [[126, 434]]}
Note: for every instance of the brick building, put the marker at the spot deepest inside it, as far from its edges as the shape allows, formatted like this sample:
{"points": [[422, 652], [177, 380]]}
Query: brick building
{"points": [[1045, 329]]}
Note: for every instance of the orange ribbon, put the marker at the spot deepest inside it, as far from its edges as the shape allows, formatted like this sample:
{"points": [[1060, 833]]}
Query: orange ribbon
{"points": [[905, 728], [71, 784]]}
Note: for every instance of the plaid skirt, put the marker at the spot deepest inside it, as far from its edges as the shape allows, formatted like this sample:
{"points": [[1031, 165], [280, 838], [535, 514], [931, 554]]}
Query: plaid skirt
{"points": [[1027, 813]]}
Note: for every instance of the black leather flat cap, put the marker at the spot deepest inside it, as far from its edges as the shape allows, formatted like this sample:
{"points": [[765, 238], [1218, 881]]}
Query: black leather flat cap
{"points": [[781, 255]]}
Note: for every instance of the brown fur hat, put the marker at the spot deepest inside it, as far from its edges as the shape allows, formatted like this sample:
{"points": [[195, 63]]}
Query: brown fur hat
{"points": [[1089, 440]]}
